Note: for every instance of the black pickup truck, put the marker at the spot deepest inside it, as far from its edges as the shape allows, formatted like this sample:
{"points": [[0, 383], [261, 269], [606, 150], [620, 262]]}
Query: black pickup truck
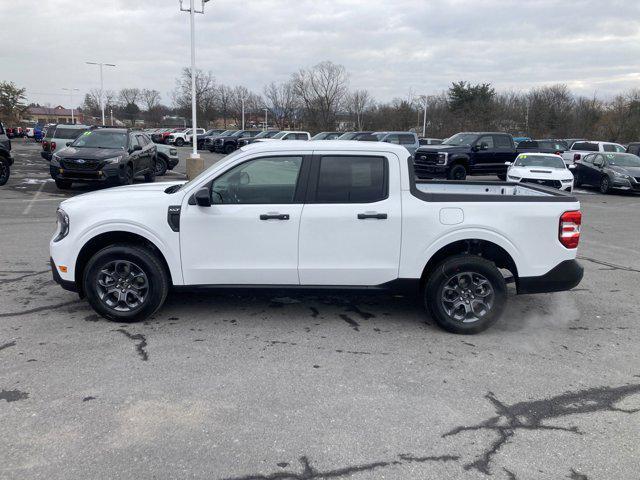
{"points": [[5, 156], [466, 153]]}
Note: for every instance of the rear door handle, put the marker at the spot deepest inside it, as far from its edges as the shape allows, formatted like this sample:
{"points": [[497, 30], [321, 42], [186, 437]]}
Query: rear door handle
{"points": [[274, 216], [377, 216]]}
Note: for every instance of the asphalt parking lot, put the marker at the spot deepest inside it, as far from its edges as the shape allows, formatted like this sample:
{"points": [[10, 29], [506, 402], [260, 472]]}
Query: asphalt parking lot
{"points": [[315, 387]]}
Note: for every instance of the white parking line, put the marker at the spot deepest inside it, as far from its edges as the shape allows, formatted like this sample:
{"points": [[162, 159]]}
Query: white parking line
{"points": [[35, 198]]}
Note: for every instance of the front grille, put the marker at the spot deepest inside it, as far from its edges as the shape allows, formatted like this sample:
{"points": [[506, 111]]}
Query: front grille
{"points": [[426, 158], [544, 183], [74, 165]]}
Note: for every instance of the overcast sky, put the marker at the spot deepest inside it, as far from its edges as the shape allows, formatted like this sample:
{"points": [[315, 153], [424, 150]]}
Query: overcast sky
{"points": [[390, 47]]}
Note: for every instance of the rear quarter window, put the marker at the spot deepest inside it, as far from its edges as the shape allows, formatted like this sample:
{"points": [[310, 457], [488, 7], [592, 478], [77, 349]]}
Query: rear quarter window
{"points": [[585, 146], [406, 139]]}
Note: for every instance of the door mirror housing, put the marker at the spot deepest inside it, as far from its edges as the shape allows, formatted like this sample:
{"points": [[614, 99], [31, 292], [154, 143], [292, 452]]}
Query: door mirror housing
{"points": [[572, 167], [68, 144], [202, 197], [508, 164], [484, 146], [136, 148]]}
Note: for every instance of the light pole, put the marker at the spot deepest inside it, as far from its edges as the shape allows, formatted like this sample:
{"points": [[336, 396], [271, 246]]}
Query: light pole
{"points": [[424, 119], [71, 90], [101, 65], [266, 117], [194, 162], [242, 112]]}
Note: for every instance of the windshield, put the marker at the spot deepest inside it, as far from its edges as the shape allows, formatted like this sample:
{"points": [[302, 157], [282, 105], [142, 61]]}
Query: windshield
{"points": [[236, 134], [205, 173], [379, 136], [268, 134], [67, 133], [279, 135], [622, 159], [461, 139], [101, 139], [549, 161], [347, 136]]}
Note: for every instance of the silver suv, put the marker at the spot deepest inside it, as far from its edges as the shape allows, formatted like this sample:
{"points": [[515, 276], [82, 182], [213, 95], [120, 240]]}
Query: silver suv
{"points": [[58, 136]]}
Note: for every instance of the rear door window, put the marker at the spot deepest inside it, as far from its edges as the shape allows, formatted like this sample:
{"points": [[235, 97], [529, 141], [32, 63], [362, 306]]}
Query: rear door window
{"points": [[487, 139], [65, 133], [585, 146], [406, 139], [351, 179], [501, 141]]}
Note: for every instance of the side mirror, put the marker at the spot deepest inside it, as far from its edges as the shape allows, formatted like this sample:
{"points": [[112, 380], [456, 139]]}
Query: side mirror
{"points": [[507, 163], [68, 144], [572, 167], [202, 197], [484, 146], [136, 148], [475, 148]]}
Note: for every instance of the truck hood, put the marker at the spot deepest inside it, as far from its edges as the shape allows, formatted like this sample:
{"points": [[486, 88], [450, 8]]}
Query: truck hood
{"points": [[117, 195], [443, 148], [540, 172]]}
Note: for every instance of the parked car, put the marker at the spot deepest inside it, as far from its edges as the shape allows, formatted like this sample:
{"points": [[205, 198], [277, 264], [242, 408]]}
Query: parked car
{"points": [[208, 140], [517, 140], [202, 136], [318, 216], [580, 149], [264, 134], [286, 135], [408, 140], [544, 169], [166, 158], [634, 148], [159, 135], [184, 136], [6, 160], [58, 136], [38, 133], [353, 135], [556, 147], [429, 141], [466, 153], [112, 155], [229, 143], [609, 171], [326, 136], [29, 133]]}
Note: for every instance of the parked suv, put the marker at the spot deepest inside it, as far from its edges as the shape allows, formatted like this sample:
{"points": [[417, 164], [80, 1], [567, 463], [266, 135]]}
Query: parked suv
{"points": [[264, 134], [466, 153], [58, 136], [182, 137], [228, 144], [114, 155], [166, 158], [408, 140], [5, 156], [202, 136]]}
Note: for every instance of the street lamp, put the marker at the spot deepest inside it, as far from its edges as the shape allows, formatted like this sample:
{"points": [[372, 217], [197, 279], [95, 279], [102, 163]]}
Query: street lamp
{"points": [[101, 64], [266, 116], [243, 99], [71, 90], [424, 120]]}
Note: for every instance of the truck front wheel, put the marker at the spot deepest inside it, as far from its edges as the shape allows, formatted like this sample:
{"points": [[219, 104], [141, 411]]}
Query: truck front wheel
{"points": [[465, 294], [5, 171], [457, 172], [125, 282]]}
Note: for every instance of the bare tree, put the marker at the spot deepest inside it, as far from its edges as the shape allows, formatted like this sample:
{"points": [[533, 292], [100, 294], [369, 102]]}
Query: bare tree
{"points": [[205, 94], [252, 102], [150, 99], [224, 95], [281, 101], [129, 96], [357, 103], [322, 89]]}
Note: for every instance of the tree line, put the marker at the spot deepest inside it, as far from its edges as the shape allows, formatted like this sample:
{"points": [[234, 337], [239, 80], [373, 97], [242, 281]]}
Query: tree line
{"points": [[319, 98]]}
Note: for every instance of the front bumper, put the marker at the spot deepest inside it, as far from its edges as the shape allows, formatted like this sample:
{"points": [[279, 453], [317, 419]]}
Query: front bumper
{"points": [[104, 174], [564, 276], [66, 284]]}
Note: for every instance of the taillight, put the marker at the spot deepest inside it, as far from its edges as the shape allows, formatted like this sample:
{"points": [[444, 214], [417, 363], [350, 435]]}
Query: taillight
{"points": [[45, 145], [569, 230], [53, 146], [576, 156]]}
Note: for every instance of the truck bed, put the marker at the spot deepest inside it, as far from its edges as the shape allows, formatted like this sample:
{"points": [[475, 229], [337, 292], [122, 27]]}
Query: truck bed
{"points": [[487, 191]]}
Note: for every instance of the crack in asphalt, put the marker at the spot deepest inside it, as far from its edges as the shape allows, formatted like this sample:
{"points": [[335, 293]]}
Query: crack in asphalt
{"points": [[577, 476], [26, 275], [529, 415], [38, 309], [7, 345], [13, 395], [310, 473], [612, 266], [140, 346]]}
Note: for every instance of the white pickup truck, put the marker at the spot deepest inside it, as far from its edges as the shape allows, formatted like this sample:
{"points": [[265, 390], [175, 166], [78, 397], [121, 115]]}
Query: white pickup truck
{"points": [[582, 148], [317, 215], [180, 138]]}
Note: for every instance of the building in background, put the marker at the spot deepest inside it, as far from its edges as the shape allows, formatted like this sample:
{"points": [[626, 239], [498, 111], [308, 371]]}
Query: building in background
{"points": [[46, 115]]}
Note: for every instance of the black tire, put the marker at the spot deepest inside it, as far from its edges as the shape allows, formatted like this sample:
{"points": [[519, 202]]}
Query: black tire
{"points": [[155, 292], [161, 166], [179, 142], [5, 171], [128, 176], [150, 176], [577, 183], [605, 184], [229, 148], [502, 177], [63, 184], [457, 172], [441, 305]]}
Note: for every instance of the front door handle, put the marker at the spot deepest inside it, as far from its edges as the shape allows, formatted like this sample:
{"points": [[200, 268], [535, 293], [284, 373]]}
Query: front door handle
{"points": [[377, 216], [274, 216]]}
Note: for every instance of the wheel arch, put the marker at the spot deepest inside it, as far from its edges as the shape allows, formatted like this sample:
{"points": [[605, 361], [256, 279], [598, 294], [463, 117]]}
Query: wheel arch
{"points": [[102, 240]]}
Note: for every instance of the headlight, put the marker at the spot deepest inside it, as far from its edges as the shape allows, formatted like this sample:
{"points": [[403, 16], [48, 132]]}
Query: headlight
{"points": [[63, 225], [55, 160], [112, 160], [173, 151], [621, 175], [515, 179], [442, 158]]}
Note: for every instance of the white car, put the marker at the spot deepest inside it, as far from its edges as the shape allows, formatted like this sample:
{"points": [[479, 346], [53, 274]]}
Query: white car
{"points": [[580, 149], [545, 169], [285, 135], [318, 216], [180, 138]]}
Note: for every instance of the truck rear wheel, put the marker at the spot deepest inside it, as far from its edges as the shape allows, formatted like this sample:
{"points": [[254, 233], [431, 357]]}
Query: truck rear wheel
{"points": [[179, 142], [457, 172], [125, 283], [5, 171], [465, 294]]}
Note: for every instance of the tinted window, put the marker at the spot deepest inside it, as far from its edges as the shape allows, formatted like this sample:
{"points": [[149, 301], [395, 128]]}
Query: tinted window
{"points": [[141, 141], [622, 160], [550, 161], [1, 129], [488, 139], [502, 141], [67, 133], [101, 139], [392, 138], [527, 144], [610, 147], [407, 139], [585, 146], [301, 136], [634, 149], [351, 180], [264, 180], [558, 146], [588, 158]]}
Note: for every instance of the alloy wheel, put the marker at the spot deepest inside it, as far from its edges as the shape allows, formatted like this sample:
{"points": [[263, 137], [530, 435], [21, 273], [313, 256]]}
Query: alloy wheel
{"points": [[467, 297], [122, 286]]}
